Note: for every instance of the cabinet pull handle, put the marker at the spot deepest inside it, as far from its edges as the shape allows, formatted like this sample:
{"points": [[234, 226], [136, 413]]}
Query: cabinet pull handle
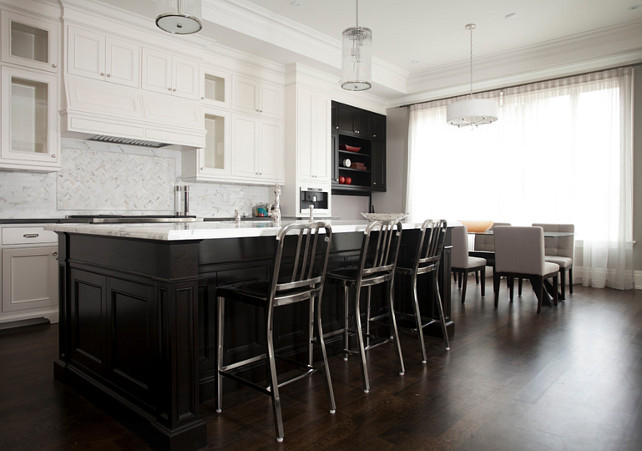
{"points": [[30, 235]]}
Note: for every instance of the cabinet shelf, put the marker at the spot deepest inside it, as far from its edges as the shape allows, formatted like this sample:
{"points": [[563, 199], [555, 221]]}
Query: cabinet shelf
{"points": [[366, 171], [356, 154]]}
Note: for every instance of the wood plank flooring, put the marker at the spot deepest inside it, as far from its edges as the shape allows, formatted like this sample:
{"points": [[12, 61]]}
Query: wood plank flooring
{"points": [[567, 379]]}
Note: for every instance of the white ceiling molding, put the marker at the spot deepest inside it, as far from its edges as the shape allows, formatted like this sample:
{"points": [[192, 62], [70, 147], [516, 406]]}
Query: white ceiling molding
{"points": [[600, 49]]}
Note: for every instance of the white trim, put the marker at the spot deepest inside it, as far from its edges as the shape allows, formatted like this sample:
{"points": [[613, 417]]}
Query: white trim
{"points": [[637, 279]]}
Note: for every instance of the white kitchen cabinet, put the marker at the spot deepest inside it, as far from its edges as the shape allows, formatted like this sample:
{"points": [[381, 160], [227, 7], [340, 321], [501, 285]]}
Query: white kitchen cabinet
{"points": [[257, 152], [30, 41], [216, 86], [258, 97], [213, 162], [170, 74], [29, 120], [103, 57], [29, 273], [313, 149]]}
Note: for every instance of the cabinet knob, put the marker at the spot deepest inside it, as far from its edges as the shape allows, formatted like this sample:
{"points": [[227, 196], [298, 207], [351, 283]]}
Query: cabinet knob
{"points": [[108, 75], [169, 89], [174, 90], [374, 135], [202, 98], [102, 74], [54, 65], [356, 131], [55, 254], [53, 155]]}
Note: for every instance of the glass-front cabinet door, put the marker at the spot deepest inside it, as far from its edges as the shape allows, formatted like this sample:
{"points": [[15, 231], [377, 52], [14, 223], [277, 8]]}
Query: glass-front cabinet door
{"points": [[29, 120], [215, 157], [30, 42]]}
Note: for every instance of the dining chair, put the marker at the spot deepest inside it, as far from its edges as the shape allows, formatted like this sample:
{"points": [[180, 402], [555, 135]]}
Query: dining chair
{"points": [[375, 266], [559, 250], [486, 243], [426, 261], [519, 253], [298, 276], [462, 264]]}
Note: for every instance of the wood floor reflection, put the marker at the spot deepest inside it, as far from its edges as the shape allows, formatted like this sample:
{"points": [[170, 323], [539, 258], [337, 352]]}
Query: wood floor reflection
{"points": [[568, 378]]}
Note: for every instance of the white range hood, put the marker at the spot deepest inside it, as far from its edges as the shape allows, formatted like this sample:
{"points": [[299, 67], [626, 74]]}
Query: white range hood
{"points": [[103, 111]]}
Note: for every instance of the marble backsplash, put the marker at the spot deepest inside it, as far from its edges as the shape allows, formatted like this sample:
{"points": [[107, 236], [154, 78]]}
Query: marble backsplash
{"points": [[102, 178]]}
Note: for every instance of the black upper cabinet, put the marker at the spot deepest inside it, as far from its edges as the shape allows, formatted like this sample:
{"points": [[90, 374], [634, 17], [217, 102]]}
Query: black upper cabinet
{"points": [[354, 128]]}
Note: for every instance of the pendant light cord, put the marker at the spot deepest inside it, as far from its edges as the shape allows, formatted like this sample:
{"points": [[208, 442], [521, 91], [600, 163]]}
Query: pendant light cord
{"points": [[357, 2], [470, 29]]}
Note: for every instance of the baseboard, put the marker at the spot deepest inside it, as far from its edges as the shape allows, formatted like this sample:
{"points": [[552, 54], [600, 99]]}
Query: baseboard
{"points": [[637, 279]]}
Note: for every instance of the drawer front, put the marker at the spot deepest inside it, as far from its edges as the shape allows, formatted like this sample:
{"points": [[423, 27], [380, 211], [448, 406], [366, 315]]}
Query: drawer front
{"points": [[28, 235]]}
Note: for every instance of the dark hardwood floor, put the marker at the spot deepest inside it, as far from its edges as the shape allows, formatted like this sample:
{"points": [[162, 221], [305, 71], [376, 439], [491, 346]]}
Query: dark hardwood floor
{"points": [[569, 378]]}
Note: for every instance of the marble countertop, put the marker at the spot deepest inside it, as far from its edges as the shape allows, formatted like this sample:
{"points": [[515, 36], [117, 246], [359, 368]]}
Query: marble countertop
{"points": [[201, 230]]}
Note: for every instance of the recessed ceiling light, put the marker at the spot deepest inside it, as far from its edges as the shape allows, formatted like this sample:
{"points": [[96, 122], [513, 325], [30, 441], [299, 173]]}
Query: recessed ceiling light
{"points": [[510, 15]]}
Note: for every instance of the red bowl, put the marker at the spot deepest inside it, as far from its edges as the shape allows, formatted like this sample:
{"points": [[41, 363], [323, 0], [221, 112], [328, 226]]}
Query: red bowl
{"points": [[352, 148]]}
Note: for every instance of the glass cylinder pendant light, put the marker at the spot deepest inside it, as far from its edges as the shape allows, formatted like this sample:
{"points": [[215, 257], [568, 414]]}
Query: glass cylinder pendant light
{"points": [[471, 111], [357, 57], [179, 16]]}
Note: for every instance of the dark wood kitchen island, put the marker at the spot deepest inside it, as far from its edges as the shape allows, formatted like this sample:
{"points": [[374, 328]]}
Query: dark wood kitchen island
{"points": [[137, 313]]}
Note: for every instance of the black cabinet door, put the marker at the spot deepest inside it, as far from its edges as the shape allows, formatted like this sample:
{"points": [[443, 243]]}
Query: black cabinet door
{"points": [[378, 166], [361, 123], [377, 127], [335, 158], [345, 118]]}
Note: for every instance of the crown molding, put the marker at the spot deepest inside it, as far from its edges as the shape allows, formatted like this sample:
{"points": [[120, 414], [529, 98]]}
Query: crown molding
{"points": [[594, 50]]}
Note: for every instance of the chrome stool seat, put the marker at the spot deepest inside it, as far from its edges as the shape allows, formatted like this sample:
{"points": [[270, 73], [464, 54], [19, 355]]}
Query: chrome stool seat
{"points": [[298, 276], [376, 266], [426, 261]]}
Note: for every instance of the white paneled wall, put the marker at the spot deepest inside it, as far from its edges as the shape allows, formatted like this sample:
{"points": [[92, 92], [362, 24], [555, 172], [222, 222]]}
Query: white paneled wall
{"points": [[101, 178]]}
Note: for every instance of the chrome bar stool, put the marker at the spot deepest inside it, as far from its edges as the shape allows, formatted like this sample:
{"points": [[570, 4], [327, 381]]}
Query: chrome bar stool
{"points": [[426, 261], [376, 266], [300, 266]]}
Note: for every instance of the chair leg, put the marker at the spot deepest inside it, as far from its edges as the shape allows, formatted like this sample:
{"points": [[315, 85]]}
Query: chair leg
{"points": [[460, 277], [442, 317], [477, 277], [511, 285], [563, 283], [274, 383], [311, 332], [393, 320], [220, 319], [556, 283], [464, 276], [520, 282], [326, 366], [362, 351], [541, 294], [415, 303], [496, 284], [368, 293], [570, 280], [483, 284]]}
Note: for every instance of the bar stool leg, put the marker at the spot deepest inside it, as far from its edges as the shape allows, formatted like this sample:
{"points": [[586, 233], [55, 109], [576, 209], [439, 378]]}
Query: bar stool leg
{"points": [[391, 304], [368, 292], [420, 332], [346, 324], [274, 384], [326, 366], [310, 333], [219, 346], [362, 351], [440, 306]]}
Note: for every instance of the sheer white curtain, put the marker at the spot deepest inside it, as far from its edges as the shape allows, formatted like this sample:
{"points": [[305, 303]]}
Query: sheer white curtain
{"points": [[561, 152]]}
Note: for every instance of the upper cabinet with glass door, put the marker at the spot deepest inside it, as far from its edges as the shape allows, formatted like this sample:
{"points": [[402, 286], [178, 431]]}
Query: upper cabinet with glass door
{"points": [[215, 86], [29, 120], [30, 42]]}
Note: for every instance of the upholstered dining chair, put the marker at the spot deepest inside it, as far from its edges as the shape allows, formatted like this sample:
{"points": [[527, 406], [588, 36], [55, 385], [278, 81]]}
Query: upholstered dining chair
{"points": [[486, 243], [559, 250], [519, 252], [462, 264]]}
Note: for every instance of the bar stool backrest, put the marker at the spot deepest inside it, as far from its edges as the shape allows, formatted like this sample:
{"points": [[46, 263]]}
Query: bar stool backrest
{"points": [[431, 245], [379, 248], [302, 274]]}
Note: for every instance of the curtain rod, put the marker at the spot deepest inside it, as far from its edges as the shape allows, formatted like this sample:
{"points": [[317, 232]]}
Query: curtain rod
{"points": [[523, 84]]}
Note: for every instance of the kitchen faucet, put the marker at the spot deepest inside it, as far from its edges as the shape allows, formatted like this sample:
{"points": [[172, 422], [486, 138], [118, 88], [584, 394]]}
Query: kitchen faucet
{"points": [[275, 209]]}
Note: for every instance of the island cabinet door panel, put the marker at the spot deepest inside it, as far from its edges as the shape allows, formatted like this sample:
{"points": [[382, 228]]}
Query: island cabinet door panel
{"points": [[132, 360], [87, 317]]}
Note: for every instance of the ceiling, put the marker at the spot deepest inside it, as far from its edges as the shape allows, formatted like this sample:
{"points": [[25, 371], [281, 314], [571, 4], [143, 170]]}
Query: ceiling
{"points": [[413, 40]]}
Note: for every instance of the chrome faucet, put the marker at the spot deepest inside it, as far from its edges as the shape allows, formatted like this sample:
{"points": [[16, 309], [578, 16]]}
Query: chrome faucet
{"points": [[311, 207], [275, 210]]}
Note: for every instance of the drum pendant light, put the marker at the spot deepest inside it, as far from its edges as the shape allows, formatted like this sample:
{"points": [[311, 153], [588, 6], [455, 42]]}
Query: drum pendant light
{"points": [[357, 57], [471, 111], [179, 16]]}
